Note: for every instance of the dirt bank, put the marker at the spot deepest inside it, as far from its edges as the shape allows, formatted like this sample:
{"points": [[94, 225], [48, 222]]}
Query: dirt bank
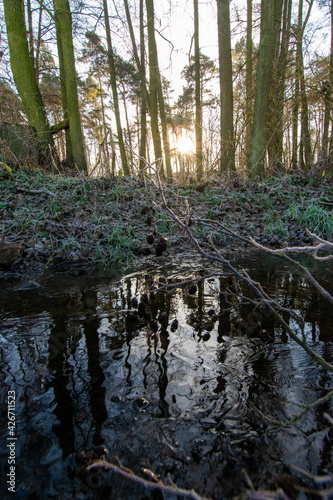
{"points": [[54, 221]]}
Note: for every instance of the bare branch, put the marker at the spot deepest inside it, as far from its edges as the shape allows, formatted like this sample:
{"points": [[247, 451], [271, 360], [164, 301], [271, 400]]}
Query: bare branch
{"points": [[128, 474]]}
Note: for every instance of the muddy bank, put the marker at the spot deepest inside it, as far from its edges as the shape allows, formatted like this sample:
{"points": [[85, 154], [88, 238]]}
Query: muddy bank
{"points": [[71, 222]]}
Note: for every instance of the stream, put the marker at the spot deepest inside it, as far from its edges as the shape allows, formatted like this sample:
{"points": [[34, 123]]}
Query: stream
{"points": [[190, 383]]}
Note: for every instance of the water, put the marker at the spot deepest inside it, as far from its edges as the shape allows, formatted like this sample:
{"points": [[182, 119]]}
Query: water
{"points": [[198, 398]]}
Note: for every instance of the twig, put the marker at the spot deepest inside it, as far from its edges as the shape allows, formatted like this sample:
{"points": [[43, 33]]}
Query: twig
{"points": [[282, 253], [35, 191], [252, 285], [128, 474]]}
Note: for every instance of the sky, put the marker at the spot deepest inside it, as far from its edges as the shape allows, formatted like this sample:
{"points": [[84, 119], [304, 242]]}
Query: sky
{"points": [[175, 25]]}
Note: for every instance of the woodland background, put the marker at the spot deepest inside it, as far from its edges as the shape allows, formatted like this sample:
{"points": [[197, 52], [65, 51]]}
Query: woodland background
{"points": [[87, 78]]}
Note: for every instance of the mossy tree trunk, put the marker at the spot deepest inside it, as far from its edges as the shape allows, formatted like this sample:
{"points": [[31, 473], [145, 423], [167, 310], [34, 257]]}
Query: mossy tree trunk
{"points": [[249, 80], [24, 77], [63, 19], [227, 164], [153, 83], [264, 78]]}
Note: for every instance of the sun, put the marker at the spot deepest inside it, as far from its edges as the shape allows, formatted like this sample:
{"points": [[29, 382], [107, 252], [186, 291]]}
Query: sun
{"points": [[185, 145]]}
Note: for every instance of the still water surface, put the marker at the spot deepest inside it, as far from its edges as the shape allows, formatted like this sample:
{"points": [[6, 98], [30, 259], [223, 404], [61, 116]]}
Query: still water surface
{"points": [[181, 384]]}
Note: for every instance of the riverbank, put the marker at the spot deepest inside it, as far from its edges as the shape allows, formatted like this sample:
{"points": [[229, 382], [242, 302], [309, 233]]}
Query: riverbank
{"points": [[50, 221]]}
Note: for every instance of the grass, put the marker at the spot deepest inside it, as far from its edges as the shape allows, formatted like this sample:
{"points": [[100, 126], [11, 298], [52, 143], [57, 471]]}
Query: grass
{"points": [[312, 216]]}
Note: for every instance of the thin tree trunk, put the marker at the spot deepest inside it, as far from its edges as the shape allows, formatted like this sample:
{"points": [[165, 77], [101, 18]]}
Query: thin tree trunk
{"points": [[198, 101], [105, 129], [305, 150], [327, 96], [63, 18], [113, 82], [144, 95], [264, 78], [69, 160], [165, 135], [139, 61], [227, 163], [278, 87], [300, 96], [39, 40], [249, 80], [153, 84]]}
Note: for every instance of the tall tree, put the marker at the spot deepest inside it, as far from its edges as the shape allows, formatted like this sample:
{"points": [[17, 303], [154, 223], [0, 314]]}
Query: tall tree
{"points": [[264, 78], [144, 94], [301, 153], [63, 20], [249, 79], [227, 163], [141, 67], [198, 101], [277, 92], [156, 84], [328, 87], [113, 81], [23, 73]]}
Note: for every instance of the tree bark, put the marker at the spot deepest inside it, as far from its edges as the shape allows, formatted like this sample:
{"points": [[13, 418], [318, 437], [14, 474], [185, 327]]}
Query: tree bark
{"points": [[249, 80], [302, 159], [24, 76], [227, 163], [113, 82], [264, 78], [63, 19], [153, 58], [31, 34], [198, 101], [144, 95], [328, 96], [277, 92], [153, 84]]}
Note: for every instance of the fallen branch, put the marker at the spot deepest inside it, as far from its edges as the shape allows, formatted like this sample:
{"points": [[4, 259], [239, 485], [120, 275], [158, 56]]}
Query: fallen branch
{"points": [[160, 486]]}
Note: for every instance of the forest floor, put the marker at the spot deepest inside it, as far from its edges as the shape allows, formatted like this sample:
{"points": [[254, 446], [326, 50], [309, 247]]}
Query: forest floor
{"points": [[58, 221]]}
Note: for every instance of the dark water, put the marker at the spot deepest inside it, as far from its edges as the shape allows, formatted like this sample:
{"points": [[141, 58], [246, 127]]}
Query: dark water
{"points": [[188, 400]]}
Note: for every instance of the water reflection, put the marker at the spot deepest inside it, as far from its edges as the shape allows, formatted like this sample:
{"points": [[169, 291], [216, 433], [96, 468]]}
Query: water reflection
{"points": [[99, 361]]}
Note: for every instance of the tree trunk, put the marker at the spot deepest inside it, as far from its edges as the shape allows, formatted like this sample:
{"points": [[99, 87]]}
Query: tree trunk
{"points": [[63, 19], [144, 95], [305, 149], [154, 54], [300, 97], [153, 84], [327, 96], [31, 34], [39, 40], [23, 74], [139, 61], [278, 87], [227, 163], [69, 161], [249, 80], [198, 101], [113, 82], [264, 78]]}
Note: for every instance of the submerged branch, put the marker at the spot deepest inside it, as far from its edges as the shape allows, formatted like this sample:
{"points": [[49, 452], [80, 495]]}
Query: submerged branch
{"points": [[160, 486]]}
